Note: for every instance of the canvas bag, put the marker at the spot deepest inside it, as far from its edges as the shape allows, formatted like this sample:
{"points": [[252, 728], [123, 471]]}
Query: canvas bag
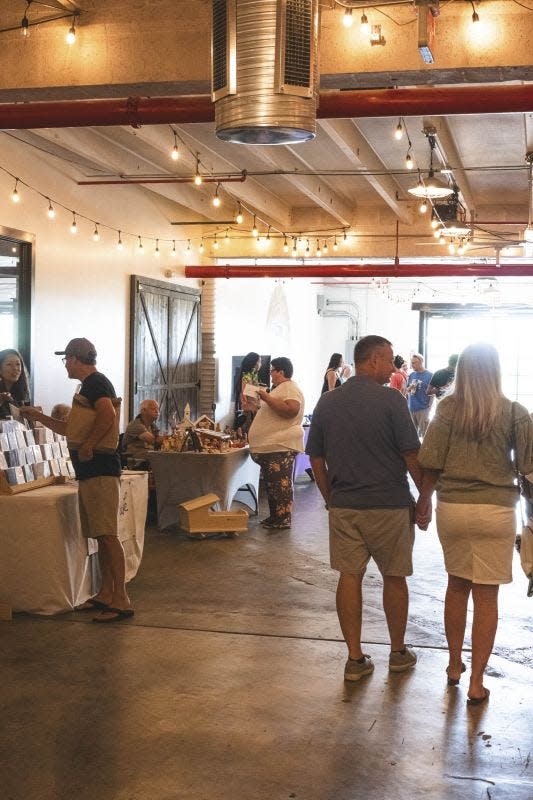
{"points": [[80, 422]]}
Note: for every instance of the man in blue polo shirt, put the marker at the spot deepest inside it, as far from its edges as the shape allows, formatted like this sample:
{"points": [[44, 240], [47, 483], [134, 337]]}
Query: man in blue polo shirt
{"points": [[362, 442]]}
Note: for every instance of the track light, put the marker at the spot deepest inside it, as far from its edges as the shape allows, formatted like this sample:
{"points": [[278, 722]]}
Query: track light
{"points": [[96, 235], [398, 133], [51, 210], [71, 35], [347, 19]]}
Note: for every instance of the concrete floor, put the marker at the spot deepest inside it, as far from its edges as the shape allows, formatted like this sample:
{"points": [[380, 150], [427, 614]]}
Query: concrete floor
{"points": [[228, 684]]}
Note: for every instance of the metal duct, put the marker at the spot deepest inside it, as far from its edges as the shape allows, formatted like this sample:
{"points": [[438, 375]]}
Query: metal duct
{"points": [[390, 270], [264, 70]]}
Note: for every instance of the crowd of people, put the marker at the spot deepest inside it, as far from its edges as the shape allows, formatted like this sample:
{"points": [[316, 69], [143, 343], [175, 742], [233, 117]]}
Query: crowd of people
{"points": [[364, 441]]}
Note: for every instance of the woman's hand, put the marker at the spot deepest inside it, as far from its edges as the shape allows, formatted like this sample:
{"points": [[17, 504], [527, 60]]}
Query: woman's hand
{"points": [[423, 512]]}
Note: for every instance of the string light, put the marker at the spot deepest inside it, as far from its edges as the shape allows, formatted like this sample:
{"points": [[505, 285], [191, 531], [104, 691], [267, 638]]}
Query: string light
{"points": [[423, 207], [216, 198], [239, 218], [51, 210], [215, 243], [347, 19], [25, 24], [15, 195], [198, 177], [173, 251], [74, 225], [175, 153], [156, 251], [255, 232], [120, 246], [71, 35], [140, 248], [409, 160], [325, 248], [398, 133], [201, 248], [365, 25], [267, 240], [96, 235], [318, 250], [285, 246], [335, 245], [188, 249]]}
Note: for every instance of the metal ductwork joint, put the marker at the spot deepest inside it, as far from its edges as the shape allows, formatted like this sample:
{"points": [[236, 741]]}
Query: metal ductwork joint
{"points": [[265, 70]]}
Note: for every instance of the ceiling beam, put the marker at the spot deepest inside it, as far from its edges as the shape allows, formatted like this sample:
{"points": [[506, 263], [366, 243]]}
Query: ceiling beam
{"points": [[349, 139]]}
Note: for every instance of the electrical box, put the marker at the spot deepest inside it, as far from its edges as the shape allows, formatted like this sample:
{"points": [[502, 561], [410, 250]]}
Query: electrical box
{"points": [[320, 303]]}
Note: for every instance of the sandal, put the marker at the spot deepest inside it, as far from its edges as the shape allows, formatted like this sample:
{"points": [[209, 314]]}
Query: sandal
{"points": [[92, 604]]}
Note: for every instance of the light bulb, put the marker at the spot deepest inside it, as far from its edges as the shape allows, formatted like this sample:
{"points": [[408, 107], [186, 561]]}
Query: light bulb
{"points": [[461, 249], [409, 161], [325, 248], [475, 16], [70, 38], [398, 133], [173, 251], [215, 243], [294, 251], [347, 19], [15, 195], [267, 239], [175, 153], [74, 226], [437, 234], [423, 207], [197, 179], [365, 25], [255, 232], [120, 246], [156, 251], [451, 249], [188, 249], [239, 218], [226, 237], [25, 27], [96, 235], [216, 200], [335, 245], [434, 223], [140, 248], [285, 246], [51, 211], [442, 240], [201, 248]]}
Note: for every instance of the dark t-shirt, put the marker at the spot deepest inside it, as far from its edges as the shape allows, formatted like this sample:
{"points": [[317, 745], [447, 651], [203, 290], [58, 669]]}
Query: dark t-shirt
{"points": [[95, 386], [361, 430], [441, 379]]}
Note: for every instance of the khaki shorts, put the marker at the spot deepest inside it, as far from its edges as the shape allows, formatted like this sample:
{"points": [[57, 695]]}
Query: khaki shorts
{"points": [[477, 541], [385, 534], [98, 501]]}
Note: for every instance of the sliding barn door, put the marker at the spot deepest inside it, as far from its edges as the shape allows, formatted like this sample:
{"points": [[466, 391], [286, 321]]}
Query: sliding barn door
{"points": [[165, 348]]}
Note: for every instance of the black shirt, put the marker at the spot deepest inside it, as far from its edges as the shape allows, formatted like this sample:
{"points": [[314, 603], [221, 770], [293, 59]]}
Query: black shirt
{"points": [[95, 386]]}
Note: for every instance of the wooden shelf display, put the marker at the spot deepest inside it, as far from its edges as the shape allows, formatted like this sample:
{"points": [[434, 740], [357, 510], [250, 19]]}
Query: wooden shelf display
{"points": [[31, 457], [196, 517]]}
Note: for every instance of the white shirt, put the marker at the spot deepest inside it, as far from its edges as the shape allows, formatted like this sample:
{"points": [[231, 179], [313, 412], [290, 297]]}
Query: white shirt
{"points": [[271, 433]]}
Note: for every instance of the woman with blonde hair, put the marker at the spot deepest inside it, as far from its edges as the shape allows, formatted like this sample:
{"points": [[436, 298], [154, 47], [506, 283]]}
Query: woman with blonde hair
{"points": [[467, 454]]}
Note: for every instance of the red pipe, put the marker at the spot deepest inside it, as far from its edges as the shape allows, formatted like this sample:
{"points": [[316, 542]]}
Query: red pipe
{"points": [[363, 271], [137, 111]]}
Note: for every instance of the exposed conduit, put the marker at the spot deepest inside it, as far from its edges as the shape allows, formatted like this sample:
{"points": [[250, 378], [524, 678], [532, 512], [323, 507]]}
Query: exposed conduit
{"points": [[137, 111], [363, 271]]}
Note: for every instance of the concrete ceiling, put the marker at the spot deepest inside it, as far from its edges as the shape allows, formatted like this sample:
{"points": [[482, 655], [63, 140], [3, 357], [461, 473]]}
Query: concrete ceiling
{"points": [[351, 177]]}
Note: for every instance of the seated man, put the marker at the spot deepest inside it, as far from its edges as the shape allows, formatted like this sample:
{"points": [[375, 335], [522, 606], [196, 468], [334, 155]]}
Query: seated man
{"points": [[142, 435]]}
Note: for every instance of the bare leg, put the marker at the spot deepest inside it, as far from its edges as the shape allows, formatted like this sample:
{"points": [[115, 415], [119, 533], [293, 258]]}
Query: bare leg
{"points": [[105, 595], [350, 611], [111, 556], [455, 607], [395, 605], [483, 632]]}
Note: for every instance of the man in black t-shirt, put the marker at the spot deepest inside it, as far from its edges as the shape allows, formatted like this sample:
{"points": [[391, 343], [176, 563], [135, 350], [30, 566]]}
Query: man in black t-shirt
{"points": [[443, 378], [97, 465]]}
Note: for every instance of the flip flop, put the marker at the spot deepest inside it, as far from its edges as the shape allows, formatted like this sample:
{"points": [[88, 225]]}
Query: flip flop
{"points": [[91, 605], [477, 701], [116, 614], [455, 681]]}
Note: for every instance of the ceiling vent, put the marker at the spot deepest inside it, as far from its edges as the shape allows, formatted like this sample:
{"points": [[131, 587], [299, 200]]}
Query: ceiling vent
{"points": [[264, 70]]}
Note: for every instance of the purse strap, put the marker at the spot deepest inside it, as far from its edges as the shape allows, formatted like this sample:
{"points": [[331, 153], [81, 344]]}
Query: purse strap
{"points": [[515, 461]]}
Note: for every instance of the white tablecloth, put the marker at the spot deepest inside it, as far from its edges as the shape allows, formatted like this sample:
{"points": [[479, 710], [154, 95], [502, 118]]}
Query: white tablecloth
{"points": [[44, 559], [184, 476]]}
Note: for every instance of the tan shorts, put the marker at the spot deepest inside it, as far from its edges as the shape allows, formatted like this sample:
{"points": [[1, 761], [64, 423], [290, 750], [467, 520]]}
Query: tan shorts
{"points": [[477, 541], [384, 534], [98, 500]]}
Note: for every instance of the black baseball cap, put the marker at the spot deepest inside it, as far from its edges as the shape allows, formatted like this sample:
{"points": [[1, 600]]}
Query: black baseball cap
{"points": [[81, 348]]}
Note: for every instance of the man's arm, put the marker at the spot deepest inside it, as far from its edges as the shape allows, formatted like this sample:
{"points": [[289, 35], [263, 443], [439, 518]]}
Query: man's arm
{"points": [[36, 415], [285, 408], [105, 417], [320, 471], [423, 510], [413, 467]]}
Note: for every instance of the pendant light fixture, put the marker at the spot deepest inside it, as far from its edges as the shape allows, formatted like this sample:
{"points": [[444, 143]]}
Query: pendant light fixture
{"points": [[433, 188]]}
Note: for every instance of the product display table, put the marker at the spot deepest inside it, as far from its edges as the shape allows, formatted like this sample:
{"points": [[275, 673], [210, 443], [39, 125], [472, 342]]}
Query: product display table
{"points": [[185, 476], [45, 562], [302, 462]]}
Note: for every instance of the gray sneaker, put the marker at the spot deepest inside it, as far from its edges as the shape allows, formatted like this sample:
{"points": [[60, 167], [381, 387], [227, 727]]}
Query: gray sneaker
{"points": [[356, 669], [400, 660]]}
